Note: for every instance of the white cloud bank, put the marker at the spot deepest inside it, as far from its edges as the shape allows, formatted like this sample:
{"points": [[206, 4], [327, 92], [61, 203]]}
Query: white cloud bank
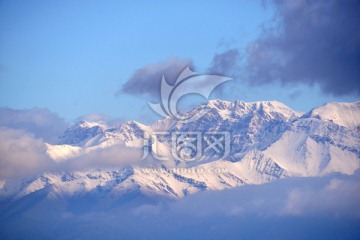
{"points": [[294, 208], [39, 121], [21, 154]]}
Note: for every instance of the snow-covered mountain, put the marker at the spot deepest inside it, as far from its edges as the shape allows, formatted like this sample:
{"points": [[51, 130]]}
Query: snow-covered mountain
{"points": [[268, 141], [343, 114]]}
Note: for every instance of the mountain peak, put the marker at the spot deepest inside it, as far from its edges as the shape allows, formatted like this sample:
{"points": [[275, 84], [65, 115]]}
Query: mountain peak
{"points": [[135, 125], [346, 114], [217, 102], [271, 108], [86, 124], [82, 131], [268, 140]]}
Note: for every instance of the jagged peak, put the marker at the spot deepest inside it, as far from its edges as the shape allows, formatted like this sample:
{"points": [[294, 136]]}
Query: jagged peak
{"points": [[223, 103], [226, 109], [272, 103], [82, 131], [135, 125], [216, 102], [87, 124]]}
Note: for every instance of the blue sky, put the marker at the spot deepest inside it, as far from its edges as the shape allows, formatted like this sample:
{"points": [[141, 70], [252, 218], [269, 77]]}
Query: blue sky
{"points": [[73, 56]]}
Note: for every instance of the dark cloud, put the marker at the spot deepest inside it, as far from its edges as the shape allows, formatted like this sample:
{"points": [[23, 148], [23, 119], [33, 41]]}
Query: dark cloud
{"points": [[146, 80], [226, 63], [40, 122], [315, 42]]}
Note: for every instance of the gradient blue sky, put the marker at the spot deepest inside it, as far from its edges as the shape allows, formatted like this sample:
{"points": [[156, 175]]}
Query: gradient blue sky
{"points": [[73, 56]]}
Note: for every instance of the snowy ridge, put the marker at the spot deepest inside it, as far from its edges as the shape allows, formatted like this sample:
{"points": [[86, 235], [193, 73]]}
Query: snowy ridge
{"points": [[343, 114], [268, 141]]}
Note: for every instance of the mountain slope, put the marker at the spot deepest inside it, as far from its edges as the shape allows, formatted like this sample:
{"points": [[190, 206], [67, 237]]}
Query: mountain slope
{"points": [[343, 114], [268, 141]]}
